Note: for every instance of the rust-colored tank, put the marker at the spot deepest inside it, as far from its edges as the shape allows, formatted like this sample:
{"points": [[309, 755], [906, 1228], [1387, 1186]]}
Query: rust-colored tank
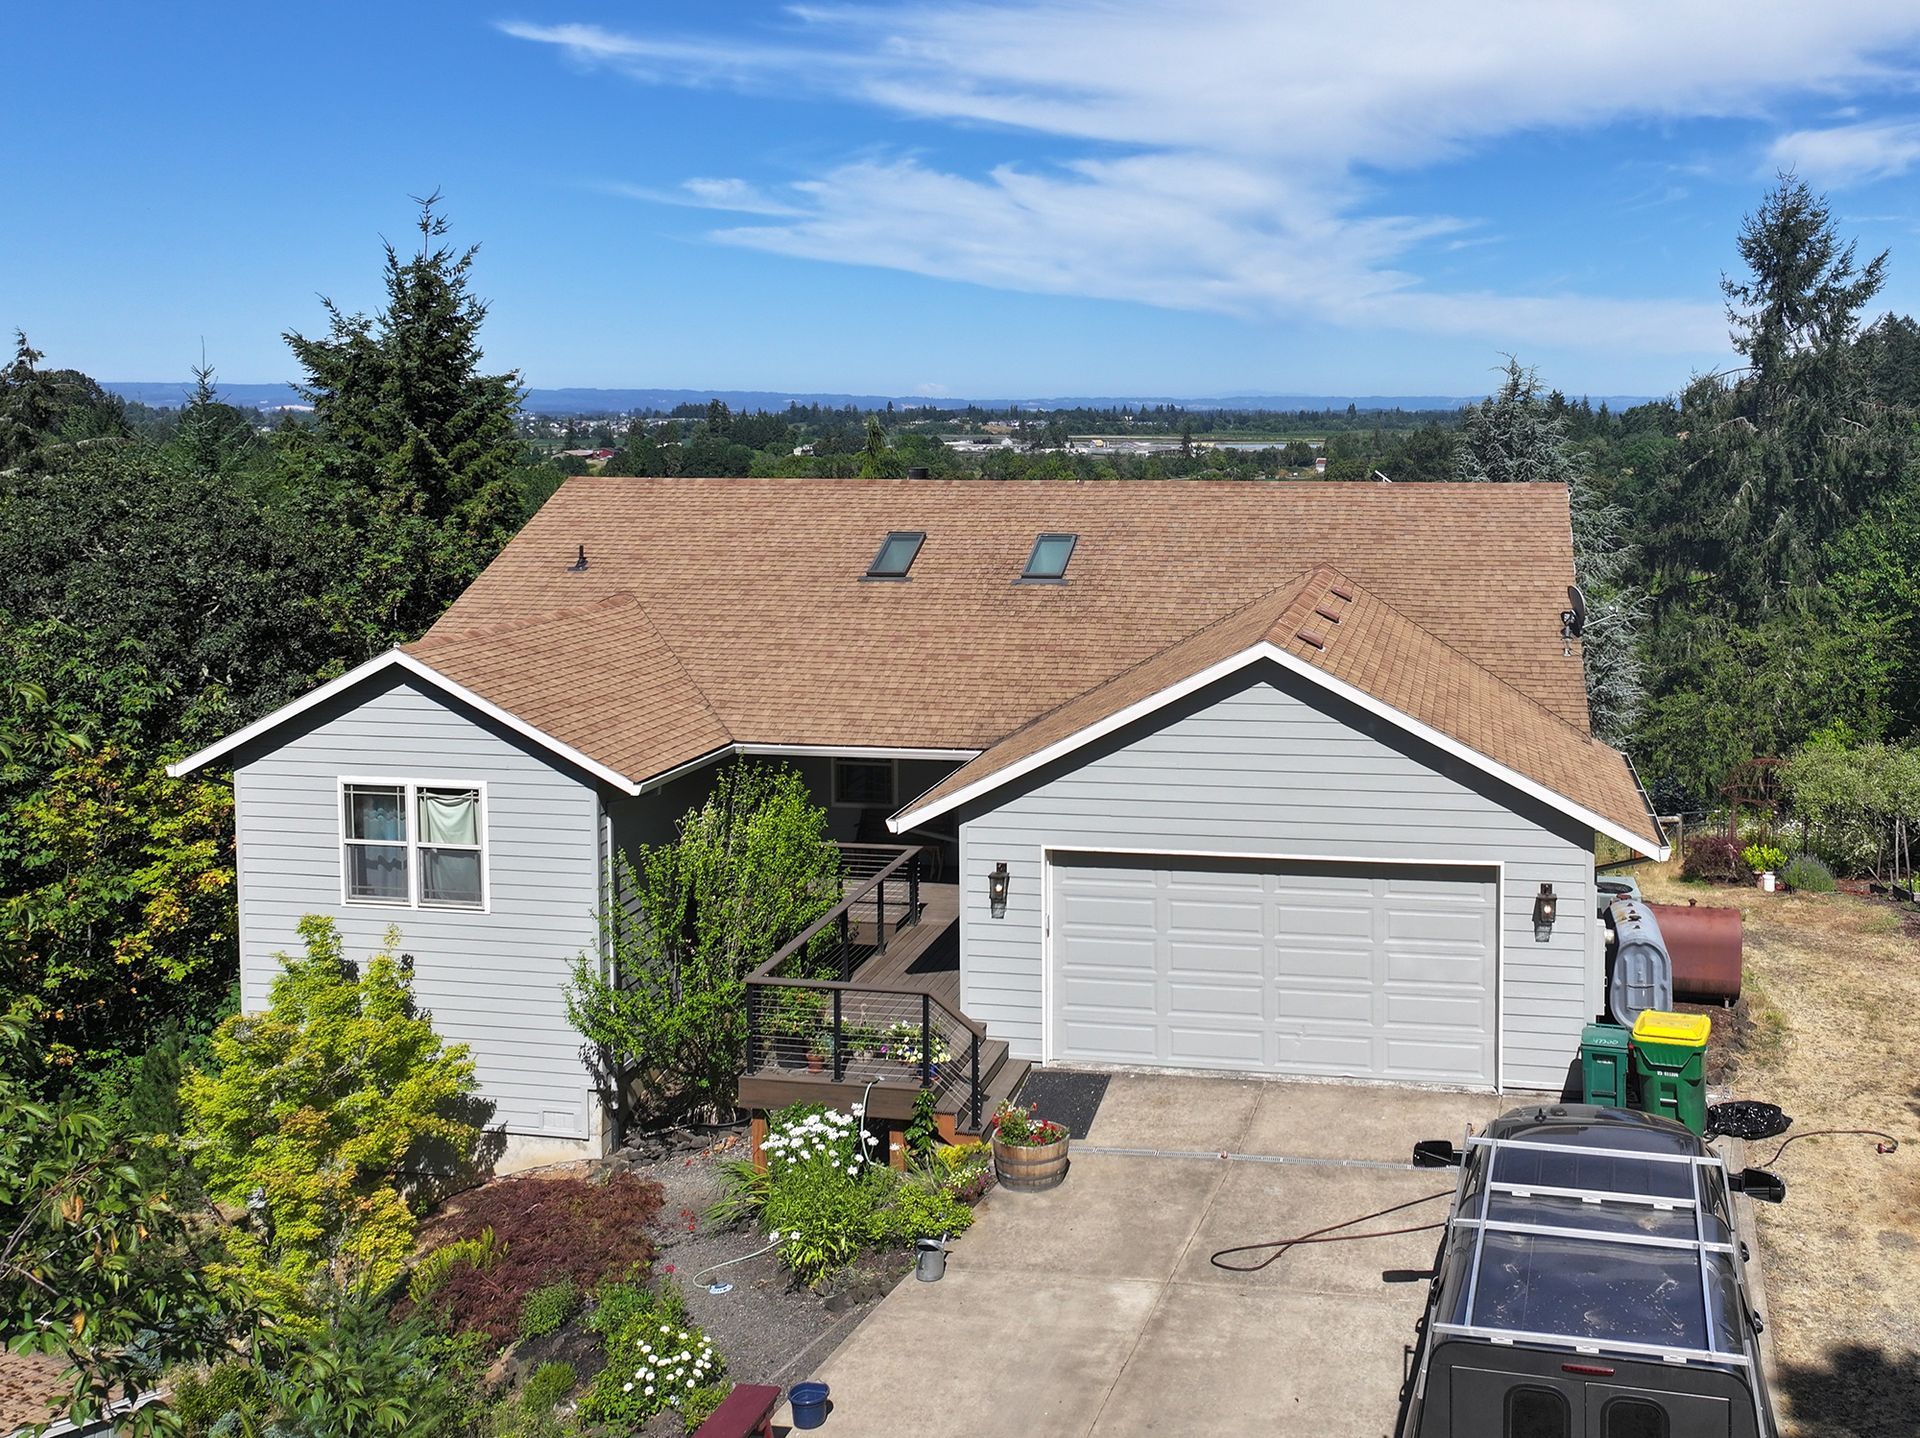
{"points": [[1704, 945]]}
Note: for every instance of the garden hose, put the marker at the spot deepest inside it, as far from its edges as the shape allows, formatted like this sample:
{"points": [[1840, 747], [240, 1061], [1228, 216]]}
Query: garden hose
{"points": [[1888, 1143], [1330, 1234]]}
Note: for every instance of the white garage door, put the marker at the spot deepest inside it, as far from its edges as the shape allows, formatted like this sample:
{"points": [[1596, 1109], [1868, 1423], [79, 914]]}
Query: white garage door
{"points": [[1337, 969]]}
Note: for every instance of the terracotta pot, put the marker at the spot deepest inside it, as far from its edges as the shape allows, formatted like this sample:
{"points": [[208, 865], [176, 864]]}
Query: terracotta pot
{"points": [[816, 1062], [1029, 1168]]}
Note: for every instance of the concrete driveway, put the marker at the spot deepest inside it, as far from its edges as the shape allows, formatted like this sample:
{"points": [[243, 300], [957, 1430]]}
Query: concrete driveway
{"points": [[1094, 1309]]}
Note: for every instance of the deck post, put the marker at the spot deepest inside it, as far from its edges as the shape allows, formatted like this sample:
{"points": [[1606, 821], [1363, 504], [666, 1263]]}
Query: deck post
{"points": [[973, 1089], [846, 949], [880, 913], [753, 1026], [926, 1040], [839, 1048], [913, 888]]}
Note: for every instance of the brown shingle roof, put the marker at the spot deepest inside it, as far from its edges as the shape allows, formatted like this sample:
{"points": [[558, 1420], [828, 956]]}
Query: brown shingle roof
{"points": [[1332, 623], [32, 1390], [754, 585], [597, 677]]}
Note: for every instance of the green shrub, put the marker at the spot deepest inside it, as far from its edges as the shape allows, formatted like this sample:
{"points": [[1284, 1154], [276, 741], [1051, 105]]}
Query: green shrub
{"points": [[548, 1307], [751, 868], [819, 1193], [481, 1253], [201, 1399], [320, 1108], [697, 1407], [1763, 858], [657, 1358], [1809, 875], [965, 1170], [919, 1210], [923, 1130], [550, 1383]]}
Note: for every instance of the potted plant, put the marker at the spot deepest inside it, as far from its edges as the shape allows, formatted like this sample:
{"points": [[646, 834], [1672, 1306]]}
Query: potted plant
{"points": [[793, 1023], [1029, 1152], [1765, 860]]}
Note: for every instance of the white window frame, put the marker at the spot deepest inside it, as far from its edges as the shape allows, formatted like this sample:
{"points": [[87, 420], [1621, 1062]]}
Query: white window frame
{"points": [[893, 782], [412, 788]]}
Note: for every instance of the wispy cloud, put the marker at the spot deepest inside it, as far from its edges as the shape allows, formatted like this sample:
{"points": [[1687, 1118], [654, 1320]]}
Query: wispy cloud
{"points": [[1850, 154], [1232, 155]]}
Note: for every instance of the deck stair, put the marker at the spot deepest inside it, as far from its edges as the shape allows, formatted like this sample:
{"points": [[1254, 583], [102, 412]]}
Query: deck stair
{"points": [[864, 1005]]}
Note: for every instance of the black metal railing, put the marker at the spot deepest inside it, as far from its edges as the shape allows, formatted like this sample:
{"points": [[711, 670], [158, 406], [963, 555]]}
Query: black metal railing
{"points": [[805, 1014]]}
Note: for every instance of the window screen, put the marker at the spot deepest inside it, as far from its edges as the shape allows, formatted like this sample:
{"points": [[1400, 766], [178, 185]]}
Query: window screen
{"points": [[1050, 555], [376, 842], [1536, 1413]]}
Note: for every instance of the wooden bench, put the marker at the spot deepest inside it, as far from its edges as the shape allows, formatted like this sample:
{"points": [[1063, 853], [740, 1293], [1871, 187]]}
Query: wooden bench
{"points": [[746, 1411]]}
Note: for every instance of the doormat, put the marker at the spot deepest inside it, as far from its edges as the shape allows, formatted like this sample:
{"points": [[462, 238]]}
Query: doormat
{"points": [[1067, 1096]]}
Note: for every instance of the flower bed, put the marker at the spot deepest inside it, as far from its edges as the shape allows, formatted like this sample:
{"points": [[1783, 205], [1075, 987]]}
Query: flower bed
{"points": [[824, 1194]]}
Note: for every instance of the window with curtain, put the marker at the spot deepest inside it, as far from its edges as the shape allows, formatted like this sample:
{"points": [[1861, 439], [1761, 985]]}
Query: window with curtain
{"points": [[450, 847], [413, 844]]}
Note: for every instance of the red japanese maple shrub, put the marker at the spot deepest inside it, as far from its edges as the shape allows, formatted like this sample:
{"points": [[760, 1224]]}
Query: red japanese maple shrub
{"points": [[550, 1229]]}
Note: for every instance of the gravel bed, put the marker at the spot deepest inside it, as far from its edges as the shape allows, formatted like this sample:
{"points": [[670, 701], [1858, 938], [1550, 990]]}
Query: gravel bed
{"points": [[771, 1329]]}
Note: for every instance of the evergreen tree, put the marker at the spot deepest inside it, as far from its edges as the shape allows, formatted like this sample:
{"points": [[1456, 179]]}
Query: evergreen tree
{"points": [[1517, 437], [410, 461], [1779, 456], [214, 437]]}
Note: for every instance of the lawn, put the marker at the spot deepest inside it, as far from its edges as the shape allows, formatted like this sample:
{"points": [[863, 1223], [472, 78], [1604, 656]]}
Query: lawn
{"points": [[1831, 1033]]}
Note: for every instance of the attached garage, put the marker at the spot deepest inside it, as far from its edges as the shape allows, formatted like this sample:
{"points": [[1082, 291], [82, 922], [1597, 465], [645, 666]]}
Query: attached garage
{"points": [[1372, 970]]}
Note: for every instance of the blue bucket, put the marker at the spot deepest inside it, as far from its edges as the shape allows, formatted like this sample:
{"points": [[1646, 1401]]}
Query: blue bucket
{"points": [[809, 1402]]}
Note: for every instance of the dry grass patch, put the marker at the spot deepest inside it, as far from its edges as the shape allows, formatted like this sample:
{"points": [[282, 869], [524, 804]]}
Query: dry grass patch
{"points": [[1831, 1033]]}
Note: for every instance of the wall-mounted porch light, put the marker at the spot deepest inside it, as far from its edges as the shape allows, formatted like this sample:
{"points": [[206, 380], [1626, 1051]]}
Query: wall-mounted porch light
{"points": [[1546, 908], [997, 883]]}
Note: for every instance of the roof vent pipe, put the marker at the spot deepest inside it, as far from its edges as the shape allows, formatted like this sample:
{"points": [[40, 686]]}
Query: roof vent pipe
{"points": [[579, 566]]}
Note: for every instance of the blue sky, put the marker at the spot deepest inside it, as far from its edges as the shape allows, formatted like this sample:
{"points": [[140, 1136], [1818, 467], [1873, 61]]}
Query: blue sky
{"points": [[1105, 197]]}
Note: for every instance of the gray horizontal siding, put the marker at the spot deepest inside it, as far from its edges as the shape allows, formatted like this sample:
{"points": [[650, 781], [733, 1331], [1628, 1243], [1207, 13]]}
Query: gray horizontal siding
{"points": [[490, 980], [1268, 764]]}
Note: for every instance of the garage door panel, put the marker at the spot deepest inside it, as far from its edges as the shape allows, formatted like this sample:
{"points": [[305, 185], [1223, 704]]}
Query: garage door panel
{"points": [[1323, 961], [1127, 1043], [1216, 1047], [1123, 952], [1369, 971], [1352, 1005], [1186, 999], [1120, 996], [1236, 958], [1431, 1060], [1433, 1012], [1340, 1054], [1414, 966]]}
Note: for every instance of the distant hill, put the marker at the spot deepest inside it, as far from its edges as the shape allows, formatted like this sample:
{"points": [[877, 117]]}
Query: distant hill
{"points": [[620, 401]]}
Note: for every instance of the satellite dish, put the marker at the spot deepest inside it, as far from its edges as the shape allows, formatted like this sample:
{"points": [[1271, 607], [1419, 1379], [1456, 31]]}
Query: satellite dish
{"points": [[1573, 619]]}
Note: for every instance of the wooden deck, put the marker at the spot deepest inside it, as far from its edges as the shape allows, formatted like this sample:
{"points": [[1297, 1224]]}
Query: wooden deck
{"points": [[922, 958]]}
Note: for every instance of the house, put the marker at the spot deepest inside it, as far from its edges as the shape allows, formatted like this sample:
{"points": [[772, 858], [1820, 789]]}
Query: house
{"points": [[1282, 778]]}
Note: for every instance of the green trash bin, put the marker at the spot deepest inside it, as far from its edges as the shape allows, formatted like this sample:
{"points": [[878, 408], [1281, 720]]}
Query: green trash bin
{"points": [[1604, 1050], [1670, 1059]]}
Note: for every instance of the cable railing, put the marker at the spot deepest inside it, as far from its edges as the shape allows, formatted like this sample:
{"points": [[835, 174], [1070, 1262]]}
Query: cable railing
{"points": [[806, 1015]]}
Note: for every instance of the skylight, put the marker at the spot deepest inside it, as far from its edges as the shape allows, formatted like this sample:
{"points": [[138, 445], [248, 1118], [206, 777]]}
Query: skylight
{"points": [[1050, 555], [896, 556]]}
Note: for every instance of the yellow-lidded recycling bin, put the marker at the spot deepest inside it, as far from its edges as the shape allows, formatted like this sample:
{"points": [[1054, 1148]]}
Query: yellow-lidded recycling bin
{"points": [[1670, 1058]]}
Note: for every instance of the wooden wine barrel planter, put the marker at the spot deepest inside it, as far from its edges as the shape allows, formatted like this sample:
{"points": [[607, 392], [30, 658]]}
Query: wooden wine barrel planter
{"points": [[1029, 1168]]}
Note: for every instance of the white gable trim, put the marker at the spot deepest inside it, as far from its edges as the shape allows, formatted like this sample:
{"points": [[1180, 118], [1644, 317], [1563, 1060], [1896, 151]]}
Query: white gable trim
{"points": [[913, 818], [398, 659]]}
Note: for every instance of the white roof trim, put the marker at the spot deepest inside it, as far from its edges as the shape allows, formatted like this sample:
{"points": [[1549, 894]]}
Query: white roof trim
{"points": [[853, 751], [913, 818], [395, 658]]}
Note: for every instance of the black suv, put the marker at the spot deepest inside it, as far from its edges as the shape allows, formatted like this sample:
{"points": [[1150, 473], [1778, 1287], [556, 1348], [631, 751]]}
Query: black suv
{"points": [[1590, 1285]]}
